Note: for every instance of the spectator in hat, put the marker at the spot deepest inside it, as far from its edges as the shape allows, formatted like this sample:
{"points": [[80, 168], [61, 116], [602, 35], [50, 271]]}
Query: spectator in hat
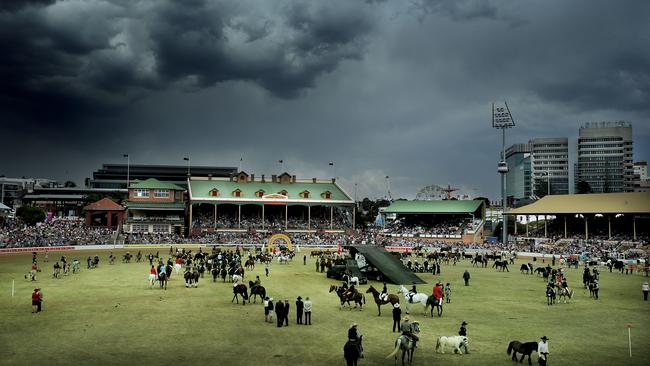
{"points": [[397, 315], [542, 351], [299, 309]]}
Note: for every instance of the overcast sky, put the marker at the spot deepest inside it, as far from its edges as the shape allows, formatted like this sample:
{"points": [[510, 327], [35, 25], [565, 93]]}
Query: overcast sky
{"points": [[381, 88]]}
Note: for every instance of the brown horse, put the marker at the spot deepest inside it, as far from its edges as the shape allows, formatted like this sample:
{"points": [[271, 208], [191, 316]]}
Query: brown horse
{"points": [[257, 291], [358, 298], [240, 290], [250, 264], [392, 299]]}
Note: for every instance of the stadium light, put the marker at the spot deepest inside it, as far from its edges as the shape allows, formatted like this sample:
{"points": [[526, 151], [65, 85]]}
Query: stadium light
{"points": [[188, 165], [128, 168], [502, 120]]}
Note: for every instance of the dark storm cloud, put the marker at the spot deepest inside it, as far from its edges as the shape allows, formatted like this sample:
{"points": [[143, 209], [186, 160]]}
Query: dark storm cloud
{"points": [[382, 87], [71, 57]]}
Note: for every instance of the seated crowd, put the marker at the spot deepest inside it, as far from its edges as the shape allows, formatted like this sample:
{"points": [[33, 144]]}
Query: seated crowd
{"points": [[57, 232], [206, 221], [402, 226]]}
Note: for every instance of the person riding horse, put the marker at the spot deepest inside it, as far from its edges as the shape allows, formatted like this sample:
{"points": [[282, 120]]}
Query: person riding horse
{"points": [[407, 330], [383, 296], [256, 284], [413, 292]]}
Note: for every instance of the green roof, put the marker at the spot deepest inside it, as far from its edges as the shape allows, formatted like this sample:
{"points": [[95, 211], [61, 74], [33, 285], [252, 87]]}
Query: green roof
{"points": [[434, 207], [200, 191], [153, 183], [156, 205]]}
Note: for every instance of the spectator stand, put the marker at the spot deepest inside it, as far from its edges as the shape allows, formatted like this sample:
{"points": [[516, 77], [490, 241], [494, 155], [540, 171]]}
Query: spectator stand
{"points": [[242, 203]]}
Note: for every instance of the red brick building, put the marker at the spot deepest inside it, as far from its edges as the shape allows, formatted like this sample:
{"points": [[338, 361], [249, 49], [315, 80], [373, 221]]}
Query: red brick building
{"points": [[104, 213], [155, 207]]}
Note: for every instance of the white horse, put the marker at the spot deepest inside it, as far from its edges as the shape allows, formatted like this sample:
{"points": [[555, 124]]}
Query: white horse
{"points": [[453, 342], [283, 259], [410, 297]]}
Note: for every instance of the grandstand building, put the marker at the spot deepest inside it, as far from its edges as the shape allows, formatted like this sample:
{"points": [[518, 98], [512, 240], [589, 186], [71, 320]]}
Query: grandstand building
{"points": [[605, 157], [115, 175], [450, 221], [243, 202], [155, 207], [605, 216]]}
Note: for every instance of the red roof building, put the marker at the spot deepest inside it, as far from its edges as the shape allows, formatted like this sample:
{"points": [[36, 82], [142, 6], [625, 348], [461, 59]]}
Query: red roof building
{"points": [[104, 213]]}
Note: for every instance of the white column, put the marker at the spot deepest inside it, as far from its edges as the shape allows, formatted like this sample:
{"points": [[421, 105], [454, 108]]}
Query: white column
{"points": [[239, 217]]}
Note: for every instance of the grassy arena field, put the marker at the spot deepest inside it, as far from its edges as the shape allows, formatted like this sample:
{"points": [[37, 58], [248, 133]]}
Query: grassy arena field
{"points": [[109, 316]]}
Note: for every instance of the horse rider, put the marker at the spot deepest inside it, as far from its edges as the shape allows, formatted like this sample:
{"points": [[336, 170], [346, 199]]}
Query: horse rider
{"points": [[355, 337], [256, 284], [542, 350], [413, 292], [437, 292], [32, 272], [350, 291], [407, 330], [384, 293]]}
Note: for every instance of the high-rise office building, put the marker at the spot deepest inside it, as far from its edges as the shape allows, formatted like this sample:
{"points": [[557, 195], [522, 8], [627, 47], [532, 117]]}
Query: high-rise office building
{"points": [[605, 157], [518, 179], [549, 165]]}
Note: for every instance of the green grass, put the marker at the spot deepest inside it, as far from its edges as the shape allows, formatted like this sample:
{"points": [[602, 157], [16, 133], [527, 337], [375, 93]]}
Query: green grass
{"points": [[109, 316]]}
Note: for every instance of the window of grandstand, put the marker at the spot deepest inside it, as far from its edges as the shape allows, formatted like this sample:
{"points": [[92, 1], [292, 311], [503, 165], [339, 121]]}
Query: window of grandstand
{"points": [[141, 192], [283, 192], [236, 193], [161, 193], [158, 228], [259, 193], [139, 228], [304, 194], [214, 192], [326, 195]]}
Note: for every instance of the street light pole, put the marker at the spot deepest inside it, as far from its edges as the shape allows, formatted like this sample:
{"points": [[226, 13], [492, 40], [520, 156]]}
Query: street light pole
{"points": [[502, 120], [128, 169], [188, 165]]}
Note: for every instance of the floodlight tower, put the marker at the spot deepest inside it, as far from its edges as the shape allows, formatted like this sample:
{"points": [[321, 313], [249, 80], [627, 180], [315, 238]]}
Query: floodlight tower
{"points": [[502, 120]]}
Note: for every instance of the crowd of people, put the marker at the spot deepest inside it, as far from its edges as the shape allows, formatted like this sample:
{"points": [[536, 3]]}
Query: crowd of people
{"points": [[404, 227], [207, 221], [55, 232]]}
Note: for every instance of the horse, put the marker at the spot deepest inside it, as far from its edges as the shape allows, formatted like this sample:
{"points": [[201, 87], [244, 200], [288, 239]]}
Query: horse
{"points": [[413, 298], [250, 264], [351, 280], [356, 296], [223, 274], [392, 299], [540, 271], [565, 294], [405, 344], [550, 295], [257, 291], [191, 278], [455, 342], [526, 349], [162, 278], [501, 265], [240, 290], [526, 268], [352, 351], [215, 273], [434, 303]]}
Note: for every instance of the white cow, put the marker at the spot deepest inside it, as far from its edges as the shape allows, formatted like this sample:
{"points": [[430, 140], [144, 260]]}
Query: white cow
{"points": [[453, 342]]}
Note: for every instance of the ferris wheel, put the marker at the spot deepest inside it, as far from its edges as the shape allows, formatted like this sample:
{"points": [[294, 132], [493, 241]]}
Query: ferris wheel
{"points": [[437, 192]]}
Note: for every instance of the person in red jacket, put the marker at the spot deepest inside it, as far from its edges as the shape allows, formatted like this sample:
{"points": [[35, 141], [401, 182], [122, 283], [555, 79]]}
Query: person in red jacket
{"points": [[437, 292], [36, 299]]}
